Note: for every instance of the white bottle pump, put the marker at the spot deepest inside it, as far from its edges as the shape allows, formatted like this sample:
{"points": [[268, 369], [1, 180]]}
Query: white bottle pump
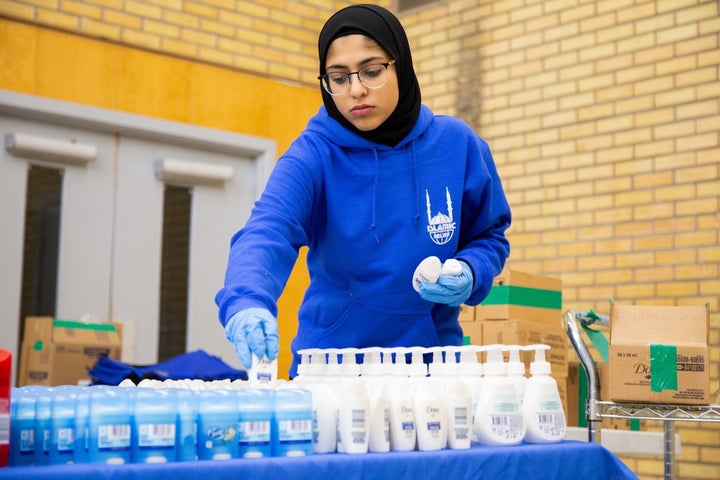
{"points": [[430, 409], [471, 374], [542, 406], [516, 370], [313, 377], [375, 379], [458, 402], [403, 433], [353, 406], [498, 419]]}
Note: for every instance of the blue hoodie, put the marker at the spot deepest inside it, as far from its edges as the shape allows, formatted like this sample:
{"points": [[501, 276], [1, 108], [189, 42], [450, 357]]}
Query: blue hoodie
{"points": [[369, 213]]}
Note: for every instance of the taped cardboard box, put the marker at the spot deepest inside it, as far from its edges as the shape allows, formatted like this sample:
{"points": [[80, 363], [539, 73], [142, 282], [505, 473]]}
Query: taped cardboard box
{"points": [[60, 352], [659, 354], [523, 296]]}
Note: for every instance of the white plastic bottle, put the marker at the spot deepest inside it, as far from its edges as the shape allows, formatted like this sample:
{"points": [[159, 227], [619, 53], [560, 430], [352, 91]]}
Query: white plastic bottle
{"points": [[471, 374], [353, 407], [499, 420], [458, 402], [403, 433], [429, 405], [542, 406], [516, 370], [312, 376], [375, 379]]}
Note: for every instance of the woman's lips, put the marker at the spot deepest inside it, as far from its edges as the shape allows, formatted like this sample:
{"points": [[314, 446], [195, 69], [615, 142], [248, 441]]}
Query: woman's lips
{"points": [[361, 110]]}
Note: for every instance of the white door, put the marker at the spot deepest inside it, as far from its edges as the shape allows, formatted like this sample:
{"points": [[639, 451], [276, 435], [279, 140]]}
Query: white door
{"points": [[111, 219]]}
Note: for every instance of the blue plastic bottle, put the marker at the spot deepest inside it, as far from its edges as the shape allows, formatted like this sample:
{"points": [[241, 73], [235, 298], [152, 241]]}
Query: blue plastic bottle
{"points": [[154, 426], [43, 410], [110, 425], [255, 407], [217, 425], [291, 431], [186, 438], [62, 426], [82, 427], [22, 428]]}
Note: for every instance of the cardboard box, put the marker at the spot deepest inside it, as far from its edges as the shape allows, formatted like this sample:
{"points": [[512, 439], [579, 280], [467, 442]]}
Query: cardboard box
{"points": [[523, 296], [659, 354], [60, 352], [519, 332]]}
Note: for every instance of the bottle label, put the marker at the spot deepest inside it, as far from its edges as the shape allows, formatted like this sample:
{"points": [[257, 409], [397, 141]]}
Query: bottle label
{"points": [[66, 439], [295, 431], [254, 433], [507, 426], [114, 436], [156, 435]]}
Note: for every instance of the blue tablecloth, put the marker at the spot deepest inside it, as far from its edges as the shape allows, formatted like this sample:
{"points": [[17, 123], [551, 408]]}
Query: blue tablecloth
{"points": [[570, 460]]}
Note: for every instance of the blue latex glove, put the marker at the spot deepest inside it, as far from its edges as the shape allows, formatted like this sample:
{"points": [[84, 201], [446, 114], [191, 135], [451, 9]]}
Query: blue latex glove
{"points": [[452, 290], [253, 331]]}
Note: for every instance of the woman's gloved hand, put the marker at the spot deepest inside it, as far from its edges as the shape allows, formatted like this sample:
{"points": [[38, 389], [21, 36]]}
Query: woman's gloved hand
{"points": [[253, 331], [451, 288]]}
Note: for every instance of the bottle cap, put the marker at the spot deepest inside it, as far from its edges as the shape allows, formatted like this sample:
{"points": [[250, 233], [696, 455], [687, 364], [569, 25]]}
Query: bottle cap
{"points": [[514, 366], [495, 363], [539, 366]]}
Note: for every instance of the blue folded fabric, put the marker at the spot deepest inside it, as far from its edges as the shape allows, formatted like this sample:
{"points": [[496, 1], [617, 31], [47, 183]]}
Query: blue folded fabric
{"points": [[192, 365]]}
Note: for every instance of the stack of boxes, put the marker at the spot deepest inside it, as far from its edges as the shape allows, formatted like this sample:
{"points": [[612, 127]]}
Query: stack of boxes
{"points": [[522, 309], [61, 352]]}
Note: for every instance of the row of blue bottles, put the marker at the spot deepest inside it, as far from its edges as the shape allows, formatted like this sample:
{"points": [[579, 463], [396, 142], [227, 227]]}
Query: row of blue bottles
{"points": [[113, 425]]}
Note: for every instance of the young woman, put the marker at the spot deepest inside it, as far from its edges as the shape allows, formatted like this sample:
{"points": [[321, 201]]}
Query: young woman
{"points": [[373, 185]]}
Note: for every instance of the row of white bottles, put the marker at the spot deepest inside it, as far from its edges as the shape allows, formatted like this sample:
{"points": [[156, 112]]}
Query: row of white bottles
{"points": [[404, 399]]}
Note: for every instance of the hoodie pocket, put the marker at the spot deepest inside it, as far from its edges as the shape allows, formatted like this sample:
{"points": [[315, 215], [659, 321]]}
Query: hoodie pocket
{"points": [[364, 325]]}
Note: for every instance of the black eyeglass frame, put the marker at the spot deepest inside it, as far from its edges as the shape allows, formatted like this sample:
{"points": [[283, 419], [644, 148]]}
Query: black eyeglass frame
{"points": [[348, 74]]}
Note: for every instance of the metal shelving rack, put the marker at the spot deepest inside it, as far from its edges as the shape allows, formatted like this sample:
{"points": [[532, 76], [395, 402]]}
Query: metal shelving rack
{"points": [[596, 410]]}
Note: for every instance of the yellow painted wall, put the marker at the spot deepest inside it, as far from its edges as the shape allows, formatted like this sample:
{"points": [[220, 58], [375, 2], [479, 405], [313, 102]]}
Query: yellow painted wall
{"points": [[62, 66]]}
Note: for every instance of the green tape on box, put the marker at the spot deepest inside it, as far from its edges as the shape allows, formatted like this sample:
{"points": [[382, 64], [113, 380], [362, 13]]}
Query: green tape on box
{"points": [[524, 296], [88, 326], [663, 367]]}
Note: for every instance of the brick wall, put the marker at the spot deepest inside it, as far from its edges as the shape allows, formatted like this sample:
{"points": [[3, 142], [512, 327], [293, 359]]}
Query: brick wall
{"points": [[276, 38], [603, 118]]}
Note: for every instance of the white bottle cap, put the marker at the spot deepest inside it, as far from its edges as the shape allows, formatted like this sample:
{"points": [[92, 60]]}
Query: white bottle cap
{"points": [[495, 363], [539, 366], [372, 361], [349, 366], [332, 367], [469, 364], [436, 367], [515, 366], [417, 366]]}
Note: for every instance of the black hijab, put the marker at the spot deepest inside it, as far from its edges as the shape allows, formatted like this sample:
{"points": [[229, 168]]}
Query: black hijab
{"points": [[382, 26]]}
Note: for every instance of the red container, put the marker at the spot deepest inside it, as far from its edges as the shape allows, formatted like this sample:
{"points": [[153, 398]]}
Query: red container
{"points": [[5, 372]]}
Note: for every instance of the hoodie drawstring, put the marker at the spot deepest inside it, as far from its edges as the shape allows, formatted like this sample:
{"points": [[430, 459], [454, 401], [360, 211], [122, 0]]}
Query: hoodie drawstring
{"points": [[416, 219], [374, 195]]}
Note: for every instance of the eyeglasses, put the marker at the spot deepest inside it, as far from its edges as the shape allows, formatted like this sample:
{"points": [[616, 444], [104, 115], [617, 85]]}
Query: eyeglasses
{"points": [[372, 76]]}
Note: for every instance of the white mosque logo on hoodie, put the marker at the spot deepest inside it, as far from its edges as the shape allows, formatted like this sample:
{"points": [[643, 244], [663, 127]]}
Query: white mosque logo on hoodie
{"points": [[441, 227]]}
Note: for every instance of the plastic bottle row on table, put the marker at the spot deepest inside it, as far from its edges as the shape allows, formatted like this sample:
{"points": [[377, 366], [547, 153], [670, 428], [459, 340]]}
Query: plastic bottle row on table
{"points": [[343, 400]]}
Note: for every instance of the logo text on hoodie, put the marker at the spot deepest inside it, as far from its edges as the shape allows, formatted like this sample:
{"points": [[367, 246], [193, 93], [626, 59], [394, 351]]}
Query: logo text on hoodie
{"points": [[441, 227]]}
